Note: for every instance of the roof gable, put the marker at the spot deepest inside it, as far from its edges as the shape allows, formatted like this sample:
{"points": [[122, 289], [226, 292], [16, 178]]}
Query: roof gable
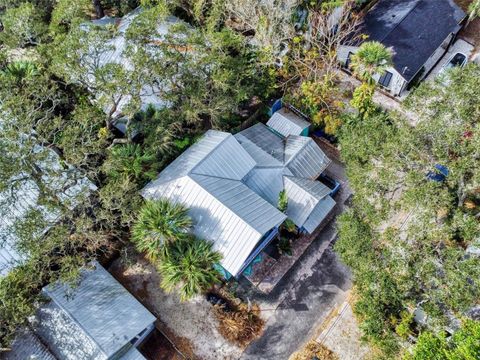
{"points": [[303, 196], [227, 160], [304, 158], [414, 29], [105, 311], [225, 212], [265, 139], [285, 122], [191, 157]]}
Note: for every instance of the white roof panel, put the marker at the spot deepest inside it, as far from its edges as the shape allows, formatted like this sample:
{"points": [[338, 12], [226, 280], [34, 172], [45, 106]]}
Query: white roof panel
{"points": [[225, 212], [303, 197], [319, 213], [285, 122], [102, 308], [304, 158], [231, 186]]}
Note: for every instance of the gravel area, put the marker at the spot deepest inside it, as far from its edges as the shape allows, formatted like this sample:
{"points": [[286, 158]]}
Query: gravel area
{"points": [[341, 334], [191, 325]]}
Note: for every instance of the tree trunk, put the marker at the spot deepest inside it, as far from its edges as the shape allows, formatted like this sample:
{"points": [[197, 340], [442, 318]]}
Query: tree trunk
{"points": [[98, 9]]}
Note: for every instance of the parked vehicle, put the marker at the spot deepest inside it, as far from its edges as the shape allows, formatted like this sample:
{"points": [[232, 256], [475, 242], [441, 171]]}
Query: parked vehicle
{"points": [[457, 60]]}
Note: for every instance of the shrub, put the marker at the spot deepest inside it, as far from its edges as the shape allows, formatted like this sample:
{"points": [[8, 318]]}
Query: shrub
{"points": [[240, 326]]}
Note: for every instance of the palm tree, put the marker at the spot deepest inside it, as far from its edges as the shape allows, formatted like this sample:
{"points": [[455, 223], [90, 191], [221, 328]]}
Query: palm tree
{"points": [[189, 267], [160, 223], [371, 58], [20, 70], [131, 161]]}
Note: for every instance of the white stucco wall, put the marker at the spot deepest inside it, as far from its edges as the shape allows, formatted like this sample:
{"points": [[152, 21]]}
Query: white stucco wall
{"points": [[396, 84]]}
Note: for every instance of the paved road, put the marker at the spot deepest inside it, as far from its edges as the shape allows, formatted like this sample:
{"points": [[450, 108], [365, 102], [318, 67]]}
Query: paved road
{"points": [[313, 287]]}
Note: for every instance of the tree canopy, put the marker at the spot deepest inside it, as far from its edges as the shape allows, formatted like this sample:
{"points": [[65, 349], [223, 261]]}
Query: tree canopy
{"points": [[407, 235]]}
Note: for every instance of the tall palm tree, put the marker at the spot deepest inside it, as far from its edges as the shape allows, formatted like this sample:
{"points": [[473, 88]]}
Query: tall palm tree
{"points": [[159, 224], [371, 58], [189, 267]]}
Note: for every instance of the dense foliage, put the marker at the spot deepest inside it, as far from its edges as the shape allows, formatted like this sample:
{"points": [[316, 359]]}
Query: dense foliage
{"points": [[60, 106], [407, 236]]}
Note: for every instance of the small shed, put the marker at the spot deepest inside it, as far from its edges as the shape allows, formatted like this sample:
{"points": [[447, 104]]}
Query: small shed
{"points": [[285, 122]]}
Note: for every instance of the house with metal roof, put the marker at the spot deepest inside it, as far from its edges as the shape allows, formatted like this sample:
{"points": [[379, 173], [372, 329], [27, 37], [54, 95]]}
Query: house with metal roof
{"points": [[96, 320], [115, 52], [231, 184], [24, 199], [419, 32]]}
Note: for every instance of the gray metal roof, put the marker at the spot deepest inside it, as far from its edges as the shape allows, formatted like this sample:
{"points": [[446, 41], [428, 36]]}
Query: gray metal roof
{"points": [[27, 346], [261, 157], [200, 158], [303, 197], [265, 139], [300, 154], [231, 185], [229, 160], [97, 318], [304, 158], [225, 212], [64, 337], [319, 213], [285, 122]]}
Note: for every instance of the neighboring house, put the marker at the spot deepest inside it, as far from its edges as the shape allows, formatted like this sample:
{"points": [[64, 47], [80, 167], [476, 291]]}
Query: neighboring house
{"points": [[25, 198], [418, 31], [98, 320], [231, 184], [114, 52]]}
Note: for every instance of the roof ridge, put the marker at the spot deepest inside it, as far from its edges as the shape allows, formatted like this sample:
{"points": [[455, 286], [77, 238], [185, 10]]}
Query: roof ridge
{"points": [[315, 182], [308, 139], [246, 139], [398, 24], [222, 203], [211, 151], [240, 182]]}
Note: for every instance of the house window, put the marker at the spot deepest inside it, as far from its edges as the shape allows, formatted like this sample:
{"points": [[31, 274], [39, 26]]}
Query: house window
{"points": [[385, 79]]}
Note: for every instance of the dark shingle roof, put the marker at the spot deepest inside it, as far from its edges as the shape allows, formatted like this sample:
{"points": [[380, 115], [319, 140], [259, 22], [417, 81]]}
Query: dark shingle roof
{"points": [[413, 28]]}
